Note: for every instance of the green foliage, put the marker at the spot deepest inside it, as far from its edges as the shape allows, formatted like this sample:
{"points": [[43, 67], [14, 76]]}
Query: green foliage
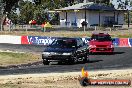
{"points": [[26, 11], [39, 12], [13, 16], [9, 4]]}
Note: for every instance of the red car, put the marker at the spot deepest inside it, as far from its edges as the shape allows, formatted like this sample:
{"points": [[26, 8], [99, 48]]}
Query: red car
{"points": [[101, 42]]}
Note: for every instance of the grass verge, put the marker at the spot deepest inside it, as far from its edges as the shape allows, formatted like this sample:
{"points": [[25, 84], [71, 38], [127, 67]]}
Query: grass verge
{"points": [[11, 58], [118, 33]]}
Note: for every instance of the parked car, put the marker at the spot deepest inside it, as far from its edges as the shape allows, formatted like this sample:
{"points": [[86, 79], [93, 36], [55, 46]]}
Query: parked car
{"points": [[70, 50], [101, 42]]}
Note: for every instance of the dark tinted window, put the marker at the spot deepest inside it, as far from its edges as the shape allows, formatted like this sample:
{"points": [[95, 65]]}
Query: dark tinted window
{"points": [[66, 43], [101, 37]]}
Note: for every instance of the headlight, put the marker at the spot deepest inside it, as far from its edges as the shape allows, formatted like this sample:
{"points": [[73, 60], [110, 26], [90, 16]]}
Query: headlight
{"points": [[92, 46], [46, 53], [110, 46], [66, 53]]}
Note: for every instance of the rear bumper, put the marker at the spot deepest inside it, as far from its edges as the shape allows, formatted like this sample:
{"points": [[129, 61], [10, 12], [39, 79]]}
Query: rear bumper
{"points": [[57, 58], [98, 49]]}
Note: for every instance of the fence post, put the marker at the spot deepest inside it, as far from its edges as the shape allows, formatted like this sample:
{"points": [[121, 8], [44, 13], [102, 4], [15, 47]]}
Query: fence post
{"points": [[95, 28], [26, 27]]}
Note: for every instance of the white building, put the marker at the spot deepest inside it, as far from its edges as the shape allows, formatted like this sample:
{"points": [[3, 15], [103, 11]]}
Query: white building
{"points": [[93, 14]]}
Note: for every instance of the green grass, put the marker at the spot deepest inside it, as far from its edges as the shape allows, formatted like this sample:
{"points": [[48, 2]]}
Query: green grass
{"points": [[118, 33], [10, 58]]}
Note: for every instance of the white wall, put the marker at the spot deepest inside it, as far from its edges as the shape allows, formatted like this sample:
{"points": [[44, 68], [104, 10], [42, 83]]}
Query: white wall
{"points": [[121, 18], [92, 17], [62, 19], [81, 17]]}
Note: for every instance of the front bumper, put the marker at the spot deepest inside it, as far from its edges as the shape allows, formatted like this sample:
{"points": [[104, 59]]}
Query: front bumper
{"points": [[56, 58], [101, 49]]}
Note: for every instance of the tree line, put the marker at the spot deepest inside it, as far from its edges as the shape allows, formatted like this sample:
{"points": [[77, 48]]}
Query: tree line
{"points": [[38, 9]]}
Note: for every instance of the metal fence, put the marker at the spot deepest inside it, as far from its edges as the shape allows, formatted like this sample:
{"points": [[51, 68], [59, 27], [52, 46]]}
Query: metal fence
{"points": [[57, 27]]}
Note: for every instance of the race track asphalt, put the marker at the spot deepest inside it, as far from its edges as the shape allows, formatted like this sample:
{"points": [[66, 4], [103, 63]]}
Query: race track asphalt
{"points": [[121, 59]]}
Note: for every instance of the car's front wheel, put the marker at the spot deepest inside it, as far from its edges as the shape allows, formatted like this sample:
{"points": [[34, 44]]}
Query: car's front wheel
{"points": [[73, 60], [86, 58], [45, 62]]}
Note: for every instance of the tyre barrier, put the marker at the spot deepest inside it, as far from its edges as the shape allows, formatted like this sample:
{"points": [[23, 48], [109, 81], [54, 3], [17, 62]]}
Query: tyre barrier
{"points": [[44, 40]]}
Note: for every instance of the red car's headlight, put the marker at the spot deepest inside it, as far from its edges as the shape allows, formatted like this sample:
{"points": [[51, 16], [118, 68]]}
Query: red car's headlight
{"points": [[92, 46]]}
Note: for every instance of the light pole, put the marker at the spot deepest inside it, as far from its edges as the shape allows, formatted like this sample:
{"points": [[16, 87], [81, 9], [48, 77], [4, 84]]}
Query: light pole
{"points": [[128, 18]]}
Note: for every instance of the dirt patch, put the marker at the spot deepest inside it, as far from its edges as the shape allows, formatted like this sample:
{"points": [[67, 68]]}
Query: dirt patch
{"points": [[62, 80]]}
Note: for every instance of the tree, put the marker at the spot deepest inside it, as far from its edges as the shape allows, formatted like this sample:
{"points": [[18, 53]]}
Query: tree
{"points": [[26, 11], [13, 16], [37, 2], [125, 5], [7, 6]]}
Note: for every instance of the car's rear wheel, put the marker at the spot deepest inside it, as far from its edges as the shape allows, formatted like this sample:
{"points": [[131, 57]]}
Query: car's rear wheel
{"points": [[45, 62]]}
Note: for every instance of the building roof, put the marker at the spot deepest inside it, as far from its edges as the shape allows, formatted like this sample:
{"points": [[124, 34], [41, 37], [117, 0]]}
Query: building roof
{"points": [[98, 7], [88, 6], [76, 6]]}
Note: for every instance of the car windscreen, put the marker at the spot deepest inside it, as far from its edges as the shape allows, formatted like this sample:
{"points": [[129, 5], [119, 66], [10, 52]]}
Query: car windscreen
{"points": [[101, 37], [68, 43]]}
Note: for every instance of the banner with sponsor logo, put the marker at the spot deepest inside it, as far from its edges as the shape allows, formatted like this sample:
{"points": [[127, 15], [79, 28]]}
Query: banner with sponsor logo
{"points": [[86, 40], [130, 42], [124, 42], [116, 41], [37, 40], [24, 40], [43, 40]]}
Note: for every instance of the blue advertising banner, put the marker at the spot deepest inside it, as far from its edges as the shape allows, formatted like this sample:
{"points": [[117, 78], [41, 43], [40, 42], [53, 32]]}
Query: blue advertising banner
{"points": [[86, 40], [130, 42], [116, 42], [40, 40], [43, 40]]}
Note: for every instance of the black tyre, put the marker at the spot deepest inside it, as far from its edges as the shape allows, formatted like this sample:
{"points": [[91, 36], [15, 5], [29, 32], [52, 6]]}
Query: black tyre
{"points": [[73, 60], [46, 62], [86, 58], [90, 53]]}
